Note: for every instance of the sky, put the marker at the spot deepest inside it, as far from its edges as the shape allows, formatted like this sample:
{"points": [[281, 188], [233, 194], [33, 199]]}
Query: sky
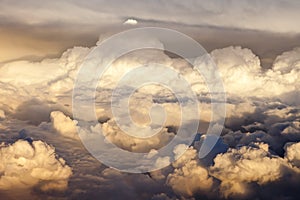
{"points": [[53, 55], [34, 30]]}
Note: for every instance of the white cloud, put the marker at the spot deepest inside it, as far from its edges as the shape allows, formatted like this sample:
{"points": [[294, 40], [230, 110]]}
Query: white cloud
{"points": [[243, 75], [131, 22], [239, 167], [25, 165], [64, 124]]}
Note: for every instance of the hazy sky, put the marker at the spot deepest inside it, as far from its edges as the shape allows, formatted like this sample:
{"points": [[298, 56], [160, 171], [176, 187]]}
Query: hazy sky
{"points": [[33, 29]]}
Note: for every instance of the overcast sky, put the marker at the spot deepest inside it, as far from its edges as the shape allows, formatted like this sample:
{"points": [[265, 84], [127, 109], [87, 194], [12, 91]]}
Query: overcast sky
{"points": [[33, 29]]}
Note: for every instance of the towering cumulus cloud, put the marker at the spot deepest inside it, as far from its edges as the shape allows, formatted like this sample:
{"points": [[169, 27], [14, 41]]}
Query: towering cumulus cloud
{"points": [[32, 164], [243, 75]]}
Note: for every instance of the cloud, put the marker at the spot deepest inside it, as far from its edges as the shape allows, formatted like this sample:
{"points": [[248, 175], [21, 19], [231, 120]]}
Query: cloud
{"points": [[112, 132], [243, 75], [237, 168], [46, 30], [27, 165], [129, 186], [291, 130], [33, 88], [189, 178], [64, 124], [32, 73], [162, 196], [218, 14], [288, 62], [34, 111], [262, 118], [131, 22]]}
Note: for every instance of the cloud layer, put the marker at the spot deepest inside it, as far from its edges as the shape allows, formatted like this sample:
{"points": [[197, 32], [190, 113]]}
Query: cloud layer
{"points": [[258, 16], [262, 129]]}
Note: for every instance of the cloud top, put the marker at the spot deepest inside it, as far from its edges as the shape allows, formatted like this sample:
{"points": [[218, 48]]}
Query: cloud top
{"points": [[25, 165]]}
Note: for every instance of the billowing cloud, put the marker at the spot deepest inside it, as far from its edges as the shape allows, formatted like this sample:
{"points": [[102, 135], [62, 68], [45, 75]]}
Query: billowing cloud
{"points": [[189, 178], [114, 134], [239, 167], [243, 75], [64, 124], [288, 62], [32, 164], [262, 127], [292, 151]]}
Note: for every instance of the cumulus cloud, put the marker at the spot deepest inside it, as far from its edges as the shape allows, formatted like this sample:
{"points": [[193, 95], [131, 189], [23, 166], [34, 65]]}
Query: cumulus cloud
{"points": [[239, 167], [288, 62], [262, 118], [189, 178], [64, 124], [114, 134], [239, 67], [26, 165], [243, 75], [31, 87], [292, 153]]}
